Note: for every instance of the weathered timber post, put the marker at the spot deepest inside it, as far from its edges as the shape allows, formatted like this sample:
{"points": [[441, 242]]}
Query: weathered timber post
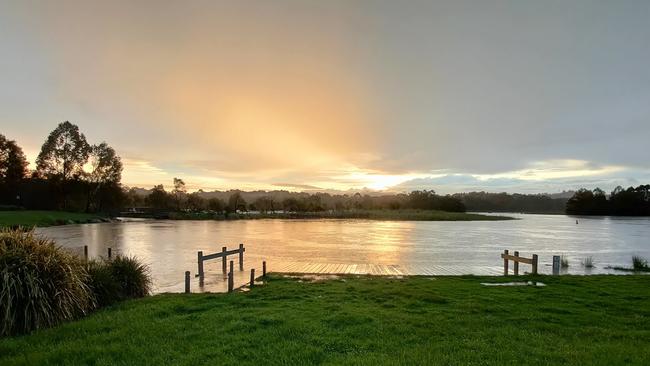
{"points": [[263, 268], [199, 256], [516, 264], [85, 252], [241, 257], [505, 263], [231, 280], [556, 265], [109, 253], [223, 260], [535, 259], [187, 282], [252, 277]]}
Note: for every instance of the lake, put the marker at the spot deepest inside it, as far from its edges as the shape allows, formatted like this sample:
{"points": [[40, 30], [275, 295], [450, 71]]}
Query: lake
{"points": [[414, 247]]}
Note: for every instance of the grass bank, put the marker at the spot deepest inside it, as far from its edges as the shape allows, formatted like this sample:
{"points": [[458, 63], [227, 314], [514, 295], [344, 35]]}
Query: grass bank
{"points": [[44, 218], [586, 320], [395, 215]]}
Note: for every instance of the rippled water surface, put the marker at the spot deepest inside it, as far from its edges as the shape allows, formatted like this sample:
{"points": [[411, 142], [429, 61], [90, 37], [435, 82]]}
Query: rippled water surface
{"points": [[170, 247]]}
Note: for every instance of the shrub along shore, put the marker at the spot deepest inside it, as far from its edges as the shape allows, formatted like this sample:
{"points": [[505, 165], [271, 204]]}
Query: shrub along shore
{"points": [[42, 284], [594, 320]]}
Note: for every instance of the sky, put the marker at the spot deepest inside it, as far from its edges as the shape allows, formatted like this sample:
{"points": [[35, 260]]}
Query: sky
{"points": [[516, 96]]}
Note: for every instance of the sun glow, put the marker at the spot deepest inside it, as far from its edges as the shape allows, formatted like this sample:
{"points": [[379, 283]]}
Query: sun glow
{"points": [[375, 181]]}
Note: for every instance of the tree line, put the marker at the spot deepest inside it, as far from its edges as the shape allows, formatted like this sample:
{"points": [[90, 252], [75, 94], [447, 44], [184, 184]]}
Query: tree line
{"points": [[280, 200], [505, 202], [73, 175], [70, 174], [621, 202]]}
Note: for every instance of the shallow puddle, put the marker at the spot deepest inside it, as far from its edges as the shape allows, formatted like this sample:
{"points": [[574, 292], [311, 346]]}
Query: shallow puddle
{"points": [[529, 283], [314, 277]]}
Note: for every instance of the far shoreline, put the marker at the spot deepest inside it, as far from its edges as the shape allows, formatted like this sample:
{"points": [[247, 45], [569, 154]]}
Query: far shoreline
{"points": [[29, 218], [379, 215]]}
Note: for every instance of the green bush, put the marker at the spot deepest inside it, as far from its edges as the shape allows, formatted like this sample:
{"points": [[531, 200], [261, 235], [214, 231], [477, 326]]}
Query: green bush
{"points": [[118, 279], [104, 287], [132, 276], [40, 283]]}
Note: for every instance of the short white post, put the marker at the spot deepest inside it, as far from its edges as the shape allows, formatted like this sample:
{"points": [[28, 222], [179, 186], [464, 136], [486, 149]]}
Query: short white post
{"points": [[556, 265]]}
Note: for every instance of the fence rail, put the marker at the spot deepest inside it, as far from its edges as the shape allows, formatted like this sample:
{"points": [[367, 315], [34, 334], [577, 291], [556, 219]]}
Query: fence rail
{"points": [[230, 278], [517, 259], [223, 254]]}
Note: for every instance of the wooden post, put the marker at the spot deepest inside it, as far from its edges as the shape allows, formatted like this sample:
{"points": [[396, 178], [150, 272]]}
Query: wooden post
{"points": [[187, 282], [241, 257], [505, 263], [85, 252], [263, 268], [224, 265], [199, 256], [516, 264], [231, 280], [535, 263], [252, 277], [109, 253]]}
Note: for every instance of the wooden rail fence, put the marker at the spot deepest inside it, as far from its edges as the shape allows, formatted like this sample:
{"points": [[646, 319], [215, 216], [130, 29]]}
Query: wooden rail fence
{"points": [[230, 278], [517, 259], [223, 254]]}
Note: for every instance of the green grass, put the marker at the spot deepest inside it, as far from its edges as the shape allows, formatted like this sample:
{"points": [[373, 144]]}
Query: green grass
{"points": [[43, 218], [586, 320], [396, 215]]}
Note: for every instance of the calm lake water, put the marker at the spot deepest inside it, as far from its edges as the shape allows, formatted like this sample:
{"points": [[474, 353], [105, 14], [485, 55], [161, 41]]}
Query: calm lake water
{"points": [[170, 247]]}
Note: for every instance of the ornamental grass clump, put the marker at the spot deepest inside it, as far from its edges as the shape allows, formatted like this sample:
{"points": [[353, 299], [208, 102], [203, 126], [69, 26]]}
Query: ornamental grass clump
{"points": [[104, 287], [133, 277], [41, 284], [118, 279]]}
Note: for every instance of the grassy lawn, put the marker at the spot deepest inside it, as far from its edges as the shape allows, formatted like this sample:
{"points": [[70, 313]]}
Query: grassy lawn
{"points": [[585, 320], [43, 218], [406, 215]]}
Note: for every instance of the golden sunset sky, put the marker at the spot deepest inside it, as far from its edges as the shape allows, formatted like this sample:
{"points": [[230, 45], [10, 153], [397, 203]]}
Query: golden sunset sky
{"points": [[530, 96]]}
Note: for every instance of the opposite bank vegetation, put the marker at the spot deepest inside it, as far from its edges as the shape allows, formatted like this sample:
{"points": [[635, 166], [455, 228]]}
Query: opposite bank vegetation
{"points": [[396, 215]]}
